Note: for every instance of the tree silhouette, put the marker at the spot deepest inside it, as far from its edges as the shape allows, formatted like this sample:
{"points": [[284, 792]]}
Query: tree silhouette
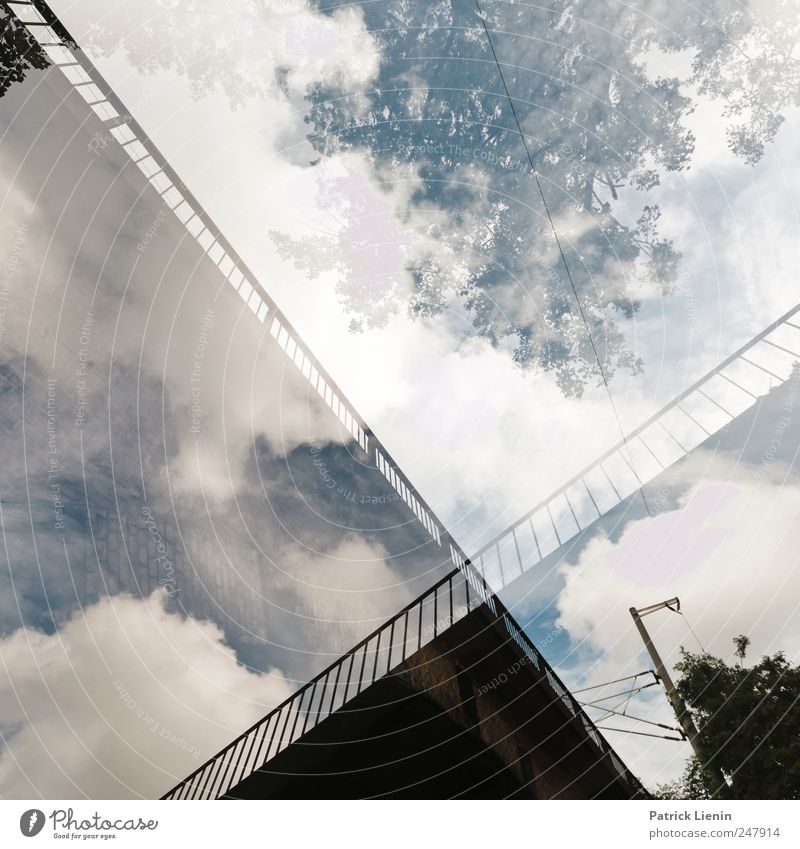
{"points": [[741, 642], [19, 51], [749, 726]]}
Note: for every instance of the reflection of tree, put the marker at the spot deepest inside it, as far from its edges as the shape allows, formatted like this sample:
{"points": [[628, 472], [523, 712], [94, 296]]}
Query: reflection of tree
{"points": [[368, 259], [245, 49], [201, 41], [596, 124], [744, 55], [19, 51]]}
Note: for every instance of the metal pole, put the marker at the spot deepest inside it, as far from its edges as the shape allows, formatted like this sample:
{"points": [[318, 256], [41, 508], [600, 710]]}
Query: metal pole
{"points": [[671, 690], [678, 705]]}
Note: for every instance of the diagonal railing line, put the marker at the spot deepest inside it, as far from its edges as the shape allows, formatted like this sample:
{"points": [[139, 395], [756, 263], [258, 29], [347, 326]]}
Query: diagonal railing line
{"points": [[743, 392], [312, 683], [636, 431]]}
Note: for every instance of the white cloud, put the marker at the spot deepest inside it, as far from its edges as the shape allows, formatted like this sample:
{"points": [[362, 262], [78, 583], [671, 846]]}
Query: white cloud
{"points": [[334, 49], [121, 702], [346, 593]]}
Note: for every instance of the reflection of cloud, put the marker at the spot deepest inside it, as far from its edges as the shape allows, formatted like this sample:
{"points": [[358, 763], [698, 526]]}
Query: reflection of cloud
{"points": [[354, 578], [729, 553], [121, 701]]}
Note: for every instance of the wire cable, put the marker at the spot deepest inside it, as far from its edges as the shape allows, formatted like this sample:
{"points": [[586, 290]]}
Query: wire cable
{"points": [[563, 256], [633, 692], [636, 719], [689, 625], [640, 733], [615, 681]]}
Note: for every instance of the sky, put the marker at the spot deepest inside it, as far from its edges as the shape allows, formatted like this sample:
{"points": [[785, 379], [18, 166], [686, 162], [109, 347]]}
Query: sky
{"points": [[382, 220]]}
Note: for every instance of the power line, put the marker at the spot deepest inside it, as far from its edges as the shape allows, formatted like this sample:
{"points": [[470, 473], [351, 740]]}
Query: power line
{"points": [[689, 625], [615, 681], [625, 698], [609, 711], [563, 256], [640, 733], [617, 695]]}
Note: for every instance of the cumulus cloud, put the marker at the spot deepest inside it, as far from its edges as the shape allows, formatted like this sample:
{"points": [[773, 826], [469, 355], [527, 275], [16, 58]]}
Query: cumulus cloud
{"points": [[353, 585], [121, 702]]}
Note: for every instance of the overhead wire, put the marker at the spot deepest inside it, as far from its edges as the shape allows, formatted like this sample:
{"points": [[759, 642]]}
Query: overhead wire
{"points": [[609, 711], [563, 257], [689, 625], [633, 692], [640, 733], [626, 694], [614, 681], [625, 697]]}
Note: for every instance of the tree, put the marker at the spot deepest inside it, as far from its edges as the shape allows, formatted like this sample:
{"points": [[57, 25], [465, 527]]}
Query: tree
{"points": [[477, 237], [744, 56], [201, 41], [599, 129], [741, 642], [19, 50], [749, 725]]}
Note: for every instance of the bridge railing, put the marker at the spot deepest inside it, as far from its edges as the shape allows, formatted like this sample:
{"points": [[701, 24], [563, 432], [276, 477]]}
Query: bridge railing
{"points": [[421, 621], [736, 384]]}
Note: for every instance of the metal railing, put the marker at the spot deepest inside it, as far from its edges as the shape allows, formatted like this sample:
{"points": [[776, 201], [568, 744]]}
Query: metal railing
{"points": [[702, 410], [421, 621]]}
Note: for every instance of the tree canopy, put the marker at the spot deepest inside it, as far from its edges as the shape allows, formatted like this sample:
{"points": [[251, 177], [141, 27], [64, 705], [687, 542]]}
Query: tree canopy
{"points": [[748, 720], [600, 129], [19, 51]]}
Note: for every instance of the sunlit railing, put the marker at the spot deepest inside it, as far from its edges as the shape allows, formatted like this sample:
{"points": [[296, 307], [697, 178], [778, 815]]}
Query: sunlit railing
{"points": [[702, 410]]}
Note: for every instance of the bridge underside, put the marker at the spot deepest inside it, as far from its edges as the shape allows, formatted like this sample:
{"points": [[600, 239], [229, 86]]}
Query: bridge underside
{"points": [[466, 716]]}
